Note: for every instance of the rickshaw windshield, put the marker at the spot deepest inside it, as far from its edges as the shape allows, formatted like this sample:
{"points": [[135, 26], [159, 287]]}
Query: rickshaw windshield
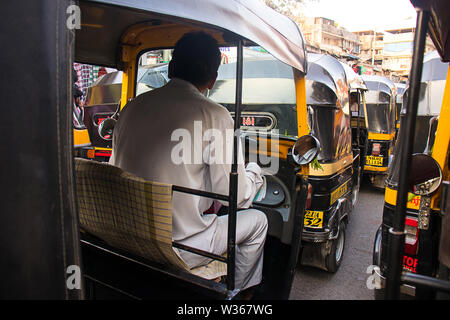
{"points": [[268, 91], [268, 94], [379, 107], [378, 118]]}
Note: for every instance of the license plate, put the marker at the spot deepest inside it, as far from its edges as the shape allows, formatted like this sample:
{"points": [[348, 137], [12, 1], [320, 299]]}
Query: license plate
{"points": [[313, 219], [374, 161]]}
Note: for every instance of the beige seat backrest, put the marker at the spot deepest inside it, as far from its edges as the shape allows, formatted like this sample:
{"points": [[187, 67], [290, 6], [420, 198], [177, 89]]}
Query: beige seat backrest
{"points": [[131, 214]]}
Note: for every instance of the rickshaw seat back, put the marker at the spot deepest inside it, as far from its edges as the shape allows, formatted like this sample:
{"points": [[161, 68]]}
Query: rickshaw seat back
{"points": [[131, 214]]}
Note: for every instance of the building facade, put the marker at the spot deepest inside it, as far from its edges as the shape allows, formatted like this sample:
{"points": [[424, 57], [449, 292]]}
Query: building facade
{"points": [[323, 35]]}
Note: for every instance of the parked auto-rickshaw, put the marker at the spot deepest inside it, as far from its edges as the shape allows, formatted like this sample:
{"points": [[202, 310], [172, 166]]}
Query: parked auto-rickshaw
{"points": [[102, 101], [269, 106], [380, 115], [334, 182], [411, 251], [56, 211], [357, 89]]}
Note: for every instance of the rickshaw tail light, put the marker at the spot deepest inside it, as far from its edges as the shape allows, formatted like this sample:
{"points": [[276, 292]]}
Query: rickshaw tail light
{"points": [[411, 237], [90, 153], [308, 198], [376, 149]]}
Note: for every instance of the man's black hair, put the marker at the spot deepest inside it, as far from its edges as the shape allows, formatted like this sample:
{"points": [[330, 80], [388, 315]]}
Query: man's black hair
{"points": [[195, 58]]}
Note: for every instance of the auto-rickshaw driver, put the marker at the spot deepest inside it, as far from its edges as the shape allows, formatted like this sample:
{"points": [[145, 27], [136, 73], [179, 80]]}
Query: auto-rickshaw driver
{"points": [[193, 70]]}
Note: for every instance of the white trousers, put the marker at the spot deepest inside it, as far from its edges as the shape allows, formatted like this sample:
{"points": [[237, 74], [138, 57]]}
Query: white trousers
{"points": [[251, 230]]}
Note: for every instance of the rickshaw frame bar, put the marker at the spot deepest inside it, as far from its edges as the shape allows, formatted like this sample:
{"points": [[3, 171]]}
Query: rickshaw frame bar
{"points": [[231, 253], [415, 279], [396, 235]]}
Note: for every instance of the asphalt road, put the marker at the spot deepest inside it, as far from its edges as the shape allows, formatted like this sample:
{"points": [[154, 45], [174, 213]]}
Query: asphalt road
{"points": [[349, 282]]}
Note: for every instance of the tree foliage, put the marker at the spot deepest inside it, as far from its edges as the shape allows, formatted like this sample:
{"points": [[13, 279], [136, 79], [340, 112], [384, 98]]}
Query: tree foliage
{"points": [[286, 7]]}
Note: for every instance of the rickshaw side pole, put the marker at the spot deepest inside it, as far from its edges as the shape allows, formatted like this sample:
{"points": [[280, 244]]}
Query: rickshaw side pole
{"points": [[357, 117], [396, 233], [233, 192]]}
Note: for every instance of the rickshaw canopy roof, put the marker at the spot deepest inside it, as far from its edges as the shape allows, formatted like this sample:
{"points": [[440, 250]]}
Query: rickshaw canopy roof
{"points": [[103, 23], [433, 67], [377, 85], [266, 81], [401, 87], [439, 25], [326, 81]]}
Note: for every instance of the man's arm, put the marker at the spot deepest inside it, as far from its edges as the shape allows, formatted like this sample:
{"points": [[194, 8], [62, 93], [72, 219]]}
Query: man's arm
{"points": [[249, 177]]}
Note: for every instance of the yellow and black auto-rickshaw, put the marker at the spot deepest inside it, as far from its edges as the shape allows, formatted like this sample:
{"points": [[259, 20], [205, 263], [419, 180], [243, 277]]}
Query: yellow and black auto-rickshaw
{"points": [[334, 182], [357, 89], [56, 208], [411, 248], [102, 101], [380, 117]]}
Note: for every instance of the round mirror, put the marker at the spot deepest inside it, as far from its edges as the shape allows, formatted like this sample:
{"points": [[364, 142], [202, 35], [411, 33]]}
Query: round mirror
{"points": [[305, 149], [106, 128], [426, 175]]}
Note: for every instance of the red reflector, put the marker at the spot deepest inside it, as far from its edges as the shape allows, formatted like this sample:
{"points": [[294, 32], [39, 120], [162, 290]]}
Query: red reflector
{"points": [[99, 120], [308, 198], [103, 153], [90, 153], [376, 149], [412, 236]]}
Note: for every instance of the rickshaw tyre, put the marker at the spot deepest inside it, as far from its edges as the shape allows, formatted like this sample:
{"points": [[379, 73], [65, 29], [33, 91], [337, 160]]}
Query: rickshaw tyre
{"points": [[332, 264], [355, 193]]}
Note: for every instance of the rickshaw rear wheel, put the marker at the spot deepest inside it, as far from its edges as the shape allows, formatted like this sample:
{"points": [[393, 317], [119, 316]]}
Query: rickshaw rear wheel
{"points": [[334, 258]]}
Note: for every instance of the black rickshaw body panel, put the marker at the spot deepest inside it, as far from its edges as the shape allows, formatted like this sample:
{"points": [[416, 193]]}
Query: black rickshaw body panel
{"points": [[421, 260], [330, 197], [424, 260]]}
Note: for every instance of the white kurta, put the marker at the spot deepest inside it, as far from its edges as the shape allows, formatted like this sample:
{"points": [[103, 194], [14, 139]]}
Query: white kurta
{"points": [[173, 124]]}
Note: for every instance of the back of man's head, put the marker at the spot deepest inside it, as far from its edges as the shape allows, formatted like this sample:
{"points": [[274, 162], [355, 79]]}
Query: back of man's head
{"points": [[196, 58]]}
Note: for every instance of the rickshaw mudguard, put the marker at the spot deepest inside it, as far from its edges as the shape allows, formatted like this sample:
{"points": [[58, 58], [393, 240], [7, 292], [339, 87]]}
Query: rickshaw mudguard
{"points": [[330, 195], [338, 212], [81, 138]]}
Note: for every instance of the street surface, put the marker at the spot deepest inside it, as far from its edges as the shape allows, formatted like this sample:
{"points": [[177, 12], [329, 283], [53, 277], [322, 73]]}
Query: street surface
{"points": [[349, 282]]}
